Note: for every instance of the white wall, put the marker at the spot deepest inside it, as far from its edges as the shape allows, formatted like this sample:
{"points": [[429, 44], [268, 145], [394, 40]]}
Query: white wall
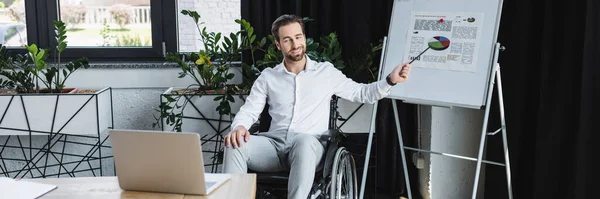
{"points": [[217, 16]]}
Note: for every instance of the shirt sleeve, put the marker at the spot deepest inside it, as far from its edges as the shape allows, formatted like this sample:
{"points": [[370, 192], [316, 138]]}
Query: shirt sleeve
{"points": [[254, 105], [348, 89]]}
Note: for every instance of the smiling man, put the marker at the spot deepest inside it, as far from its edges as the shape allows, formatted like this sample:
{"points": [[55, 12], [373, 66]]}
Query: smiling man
{"points": [[298, 91]]}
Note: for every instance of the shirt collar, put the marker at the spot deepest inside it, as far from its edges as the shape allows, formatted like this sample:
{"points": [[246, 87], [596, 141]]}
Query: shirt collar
{"points": [[310, 65]]}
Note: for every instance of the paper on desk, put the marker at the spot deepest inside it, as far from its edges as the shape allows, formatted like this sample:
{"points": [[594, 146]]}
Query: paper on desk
{"points": [[11, 188]]}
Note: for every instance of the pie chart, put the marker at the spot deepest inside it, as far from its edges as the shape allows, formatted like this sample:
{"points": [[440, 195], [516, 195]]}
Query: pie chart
{"points": [[439, 43]]}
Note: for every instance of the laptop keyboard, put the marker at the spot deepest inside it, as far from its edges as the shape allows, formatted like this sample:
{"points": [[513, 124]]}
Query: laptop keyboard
{"points": [[210, 184]]}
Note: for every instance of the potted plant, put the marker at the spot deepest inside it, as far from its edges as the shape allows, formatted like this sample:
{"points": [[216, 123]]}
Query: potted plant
{"points": [[208, 106], [36, 103]]}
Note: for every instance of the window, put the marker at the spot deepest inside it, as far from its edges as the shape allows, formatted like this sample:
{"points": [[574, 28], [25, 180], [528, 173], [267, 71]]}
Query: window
{"points": [[97, 29], [115, 29], [125, 30], [94, 23]]}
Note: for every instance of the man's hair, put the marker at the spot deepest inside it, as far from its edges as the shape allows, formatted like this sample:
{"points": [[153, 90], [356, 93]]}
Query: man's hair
{"points": [[285, 20]]}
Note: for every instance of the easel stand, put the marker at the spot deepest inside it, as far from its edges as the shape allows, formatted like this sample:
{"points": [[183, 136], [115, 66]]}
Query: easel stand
{"points": [[495, 76]]}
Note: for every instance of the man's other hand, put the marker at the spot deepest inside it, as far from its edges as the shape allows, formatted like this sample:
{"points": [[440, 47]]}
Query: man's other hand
{"points": [[235, 137]]}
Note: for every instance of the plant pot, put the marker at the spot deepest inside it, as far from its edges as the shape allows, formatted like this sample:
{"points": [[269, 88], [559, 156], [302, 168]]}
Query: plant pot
{"points": [[44, 90], [67, 113], [195, 92], [64, 90], [56, 132]]}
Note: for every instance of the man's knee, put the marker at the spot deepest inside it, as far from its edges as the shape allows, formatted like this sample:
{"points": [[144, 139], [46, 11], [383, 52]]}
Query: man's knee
{"points": [[306, 140], [307, 145], [237, 152]]}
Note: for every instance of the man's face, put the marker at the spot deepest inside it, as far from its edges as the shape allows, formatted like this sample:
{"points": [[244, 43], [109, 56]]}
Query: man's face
{"points": [[292, 42]]}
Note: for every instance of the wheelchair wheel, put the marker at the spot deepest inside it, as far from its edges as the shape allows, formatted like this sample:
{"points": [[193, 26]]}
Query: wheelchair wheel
{"points": [[343, 176]]}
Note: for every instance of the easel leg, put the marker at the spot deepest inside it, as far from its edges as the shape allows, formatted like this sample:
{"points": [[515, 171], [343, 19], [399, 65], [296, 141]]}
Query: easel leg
{"points": [[368, 155], [483, 135], [406, 178], [504, 139]]}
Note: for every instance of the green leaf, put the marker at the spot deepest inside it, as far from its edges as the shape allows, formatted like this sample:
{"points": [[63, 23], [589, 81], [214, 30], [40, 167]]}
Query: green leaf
{"points": [[332, 36], [227, 41], [70, 67], [193, 14], [172, 117], [245, 24], [33, 49], [307, 19], [61, 47], [169, 98], [250, 31], [59, 24], [313, 55], [262, 42], [40, 55], [217, 37], [40, 64], [172, 57], [49, 74], [78, 63], [163, 106], [336, 54]]}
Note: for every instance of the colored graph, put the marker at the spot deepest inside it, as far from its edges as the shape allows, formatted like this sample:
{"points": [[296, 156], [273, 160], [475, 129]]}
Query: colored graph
{"points": [[439, 43]]}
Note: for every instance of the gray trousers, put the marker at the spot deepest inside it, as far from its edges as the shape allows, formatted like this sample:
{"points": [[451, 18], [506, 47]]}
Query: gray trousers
{"points": [[299, 153]]}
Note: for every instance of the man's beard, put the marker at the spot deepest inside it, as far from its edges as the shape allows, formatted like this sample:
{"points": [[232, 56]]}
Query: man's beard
{"points": [[296, 57]]}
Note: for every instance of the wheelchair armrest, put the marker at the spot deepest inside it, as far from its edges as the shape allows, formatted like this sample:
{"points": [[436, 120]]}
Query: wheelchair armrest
{"points": [[331, 136], [254, 129]]}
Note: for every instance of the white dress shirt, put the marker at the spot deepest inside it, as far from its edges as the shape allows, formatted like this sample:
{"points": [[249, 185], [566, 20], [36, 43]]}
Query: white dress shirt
{"points": [[300, 103]]}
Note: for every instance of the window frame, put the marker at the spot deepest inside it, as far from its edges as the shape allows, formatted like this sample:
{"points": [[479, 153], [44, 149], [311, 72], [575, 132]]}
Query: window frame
{"points": [[40, 17]]}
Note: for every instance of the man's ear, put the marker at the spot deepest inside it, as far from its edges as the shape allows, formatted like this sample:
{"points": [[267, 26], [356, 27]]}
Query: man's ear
{"points": [[277, 44]]}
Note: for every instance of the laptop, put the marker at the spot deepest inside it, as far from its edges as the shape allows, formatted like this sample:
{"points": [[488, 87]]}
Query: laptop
{"points": [[157, 161]]}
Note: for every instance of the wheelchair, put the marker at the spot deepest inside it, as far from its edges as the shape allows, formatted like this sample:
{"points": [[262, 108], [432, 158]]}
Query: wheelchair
{"points": [[335, 176]]}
